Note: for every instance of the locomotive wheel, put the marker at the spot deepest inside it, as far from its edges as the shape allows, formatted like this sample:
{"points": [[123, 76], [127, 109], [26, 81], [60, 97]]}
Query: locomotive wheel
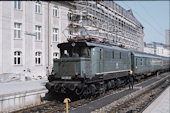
{"points": [[86, 93], [109, 85], [113, 84], [118, 82]]}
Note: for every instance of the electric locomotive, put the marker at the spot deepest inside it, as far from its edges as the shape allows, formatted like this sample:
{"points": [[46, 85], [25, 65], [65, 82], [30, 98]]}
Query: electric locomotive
{"points": [[88, 68]]}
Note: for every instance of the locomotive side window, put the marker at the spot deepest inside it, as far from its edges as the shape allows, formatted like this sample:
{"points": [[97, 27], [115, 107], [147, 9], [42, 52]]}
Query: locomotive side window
{"points": [[85, 52], [100, 54], [120, 55], [113, 54], [75, 52]]}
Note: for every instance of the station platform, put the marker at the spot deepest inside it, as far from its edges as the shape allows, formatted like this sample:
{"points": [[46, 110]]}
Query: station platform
{"points": [[18, 87], [160, 104], [19, 94]]}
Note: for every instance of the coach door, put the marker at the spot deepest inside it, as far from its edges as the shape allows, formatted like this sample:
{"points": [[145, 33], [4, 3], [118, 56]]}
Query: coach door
{"points": [[133, 61], [101, 60]]}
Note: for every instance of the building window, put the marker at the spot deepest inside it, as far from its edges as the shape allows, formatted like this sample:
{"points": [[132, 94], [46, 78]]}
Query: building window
{"points": [[37, 32], [17, 57], [55, 34], [55, 11], [69, 16], [17, 30], [38, 7], [55, 54], [70, 34], [38, 58], [17, 4]]}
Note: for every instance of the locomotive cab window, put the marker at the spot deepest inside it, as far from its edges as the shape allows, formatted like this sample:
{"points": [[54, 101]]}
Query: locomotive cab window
{"points": [[75, 52]]}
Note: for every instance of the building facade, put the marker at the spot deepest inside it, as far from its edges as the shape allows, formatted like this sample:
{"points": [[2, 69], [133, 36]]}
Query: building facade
{"points": [[149, 48], [29, 34], [167, 37], [31, 30], [157, 49], [106, 20]]}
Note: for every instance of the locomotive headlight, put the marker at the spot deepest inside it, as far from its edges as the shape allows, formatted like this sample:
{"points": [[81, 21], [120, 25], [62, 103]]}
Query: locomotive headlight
{"points": [[73, 44]]}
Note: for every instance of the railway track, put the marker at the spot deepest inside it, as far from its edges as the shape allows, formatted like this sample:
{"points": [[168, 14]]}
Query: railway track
{"points": [[40, 107], [56, 106], [138, 103], [50, 107]]}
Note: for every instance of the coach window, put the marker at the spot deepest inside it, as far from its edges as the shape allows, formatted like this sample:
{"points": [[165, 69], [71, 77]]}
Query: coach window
{"points": [[141, 62]]}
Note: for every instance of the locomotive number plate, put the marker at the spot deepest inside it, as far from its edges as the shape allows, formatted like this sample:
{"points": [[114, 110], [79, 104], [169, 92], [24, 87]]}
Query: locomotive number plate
{"points": [[68, 78]]}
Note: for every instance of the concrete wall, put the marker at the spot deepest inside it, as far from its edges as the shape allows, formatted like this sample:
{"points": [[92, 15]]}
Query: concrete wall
{"points": [[18, 101]]}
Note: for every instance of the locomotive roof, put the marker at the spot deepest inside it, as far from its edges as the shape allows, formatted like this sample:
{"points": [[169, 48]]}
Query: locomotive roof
{"points": [[109, 46], [91, 44]]}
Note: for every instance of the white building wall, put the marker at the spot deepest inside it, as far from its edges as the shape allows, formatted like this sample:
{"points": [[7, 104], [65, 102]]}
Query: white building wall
{"points": [[149, 50], [1, 38], [27, 44], [6, 36], [167, 36], [167, 52], [160, 50]]}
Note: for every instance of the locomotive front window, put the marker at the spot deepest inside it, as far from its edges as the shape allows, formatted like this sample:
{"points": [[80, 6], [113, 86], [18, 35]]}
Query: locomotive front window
{"points": [[75, 52]]}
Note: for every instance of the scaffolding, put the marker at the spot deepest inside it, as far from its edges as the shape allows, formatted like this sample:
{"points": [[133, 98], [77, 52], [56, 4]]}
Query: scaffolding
{"points": [[105, 20]]}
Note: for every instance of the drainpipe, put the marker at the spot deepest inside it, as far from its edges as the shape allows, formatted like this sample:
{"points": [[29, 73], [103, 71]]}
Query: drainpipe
{"points": [[48, 39]]}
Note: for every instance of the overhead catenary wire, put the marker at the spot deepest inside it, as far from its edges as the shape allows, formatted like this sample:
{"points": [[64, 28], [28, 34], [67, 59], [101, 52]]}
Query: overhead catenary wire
{"points": [[156, 31], [147, 12]]}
